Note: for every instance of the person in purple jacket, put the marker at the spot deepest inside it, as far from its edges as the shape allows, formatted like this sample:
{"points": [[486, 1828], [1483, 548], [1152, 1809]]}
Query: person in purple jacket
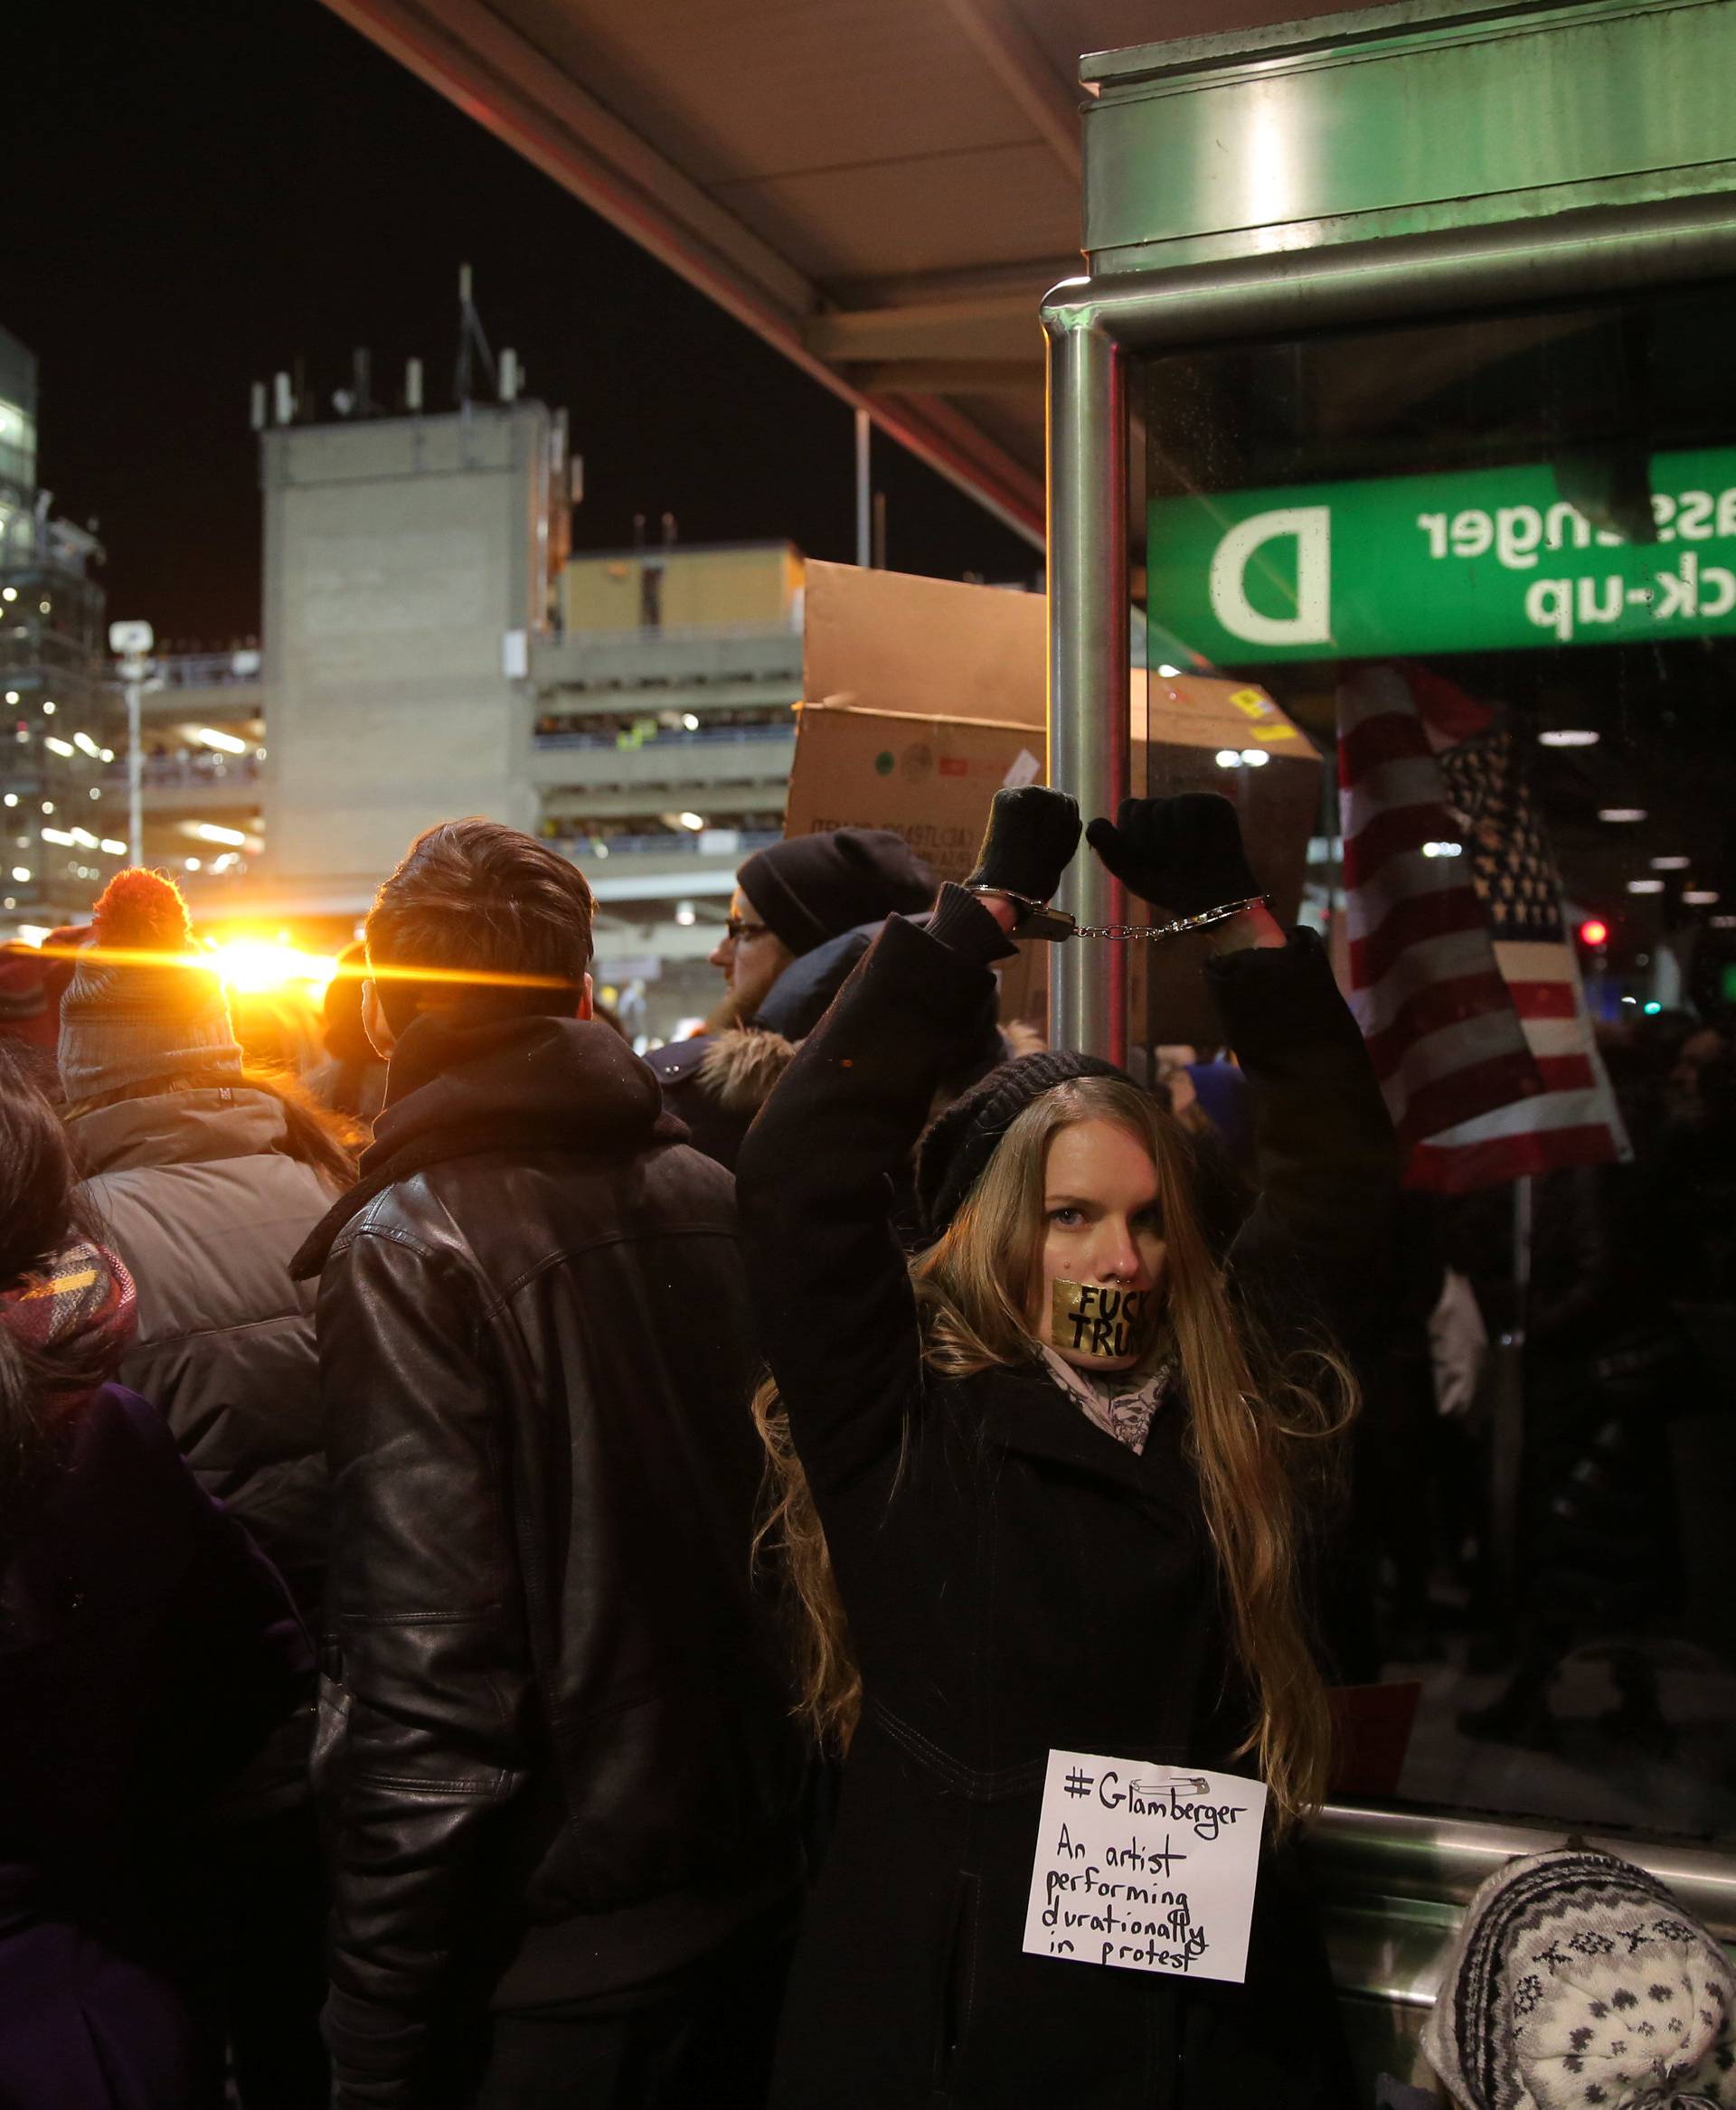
{"points": [[146, 1649]]}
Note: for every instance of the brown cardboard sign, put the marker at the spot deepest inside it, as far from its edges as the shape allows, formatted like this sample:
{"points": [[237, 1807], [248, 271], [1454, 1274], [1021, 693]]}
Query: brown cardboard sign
{"points": [[929, 780], [924, 697], [887, 641]]}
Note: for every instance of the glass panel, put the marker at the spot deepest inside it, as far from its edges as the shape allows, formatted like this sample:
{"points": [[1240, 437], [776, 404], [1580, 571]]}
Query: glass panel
{"points": [[1487, 570]]}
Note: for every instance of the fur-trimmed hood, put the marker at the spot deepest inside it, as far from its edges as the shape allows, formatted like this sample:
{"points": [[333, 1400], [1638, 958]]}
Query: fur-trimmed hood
{"points": [[740, 1067]]}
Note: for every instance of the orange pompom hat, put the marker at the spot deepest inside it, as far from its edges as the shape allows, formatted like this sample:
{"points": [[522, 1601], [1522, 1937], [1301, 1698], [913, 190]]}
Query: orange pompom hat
{"points": [[143, 911]]}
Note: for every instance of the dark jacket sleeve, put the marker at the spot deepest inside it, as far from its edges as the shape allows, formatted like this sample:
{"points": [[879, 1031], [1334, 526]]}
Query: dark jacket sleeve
{"points": [[1326, 1163], [424, 1598], [242, 1661], [831, 1291]]}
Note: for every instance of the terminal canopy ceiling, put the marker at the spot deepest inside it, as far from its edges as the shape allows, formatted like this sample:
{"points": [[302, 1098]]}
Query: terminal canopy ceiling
{"points": [[884, 189]]}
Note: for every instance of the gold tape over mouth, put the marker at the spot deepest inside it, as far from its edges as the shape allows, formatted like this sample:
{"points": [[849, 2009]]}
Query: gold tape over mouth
{"points": [[1098, 1320]]}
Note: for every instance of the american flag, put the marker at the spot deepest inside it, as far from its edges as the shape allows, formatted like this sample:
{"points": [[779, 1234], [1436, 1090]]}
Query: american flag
{"points": [[1462, 974]]}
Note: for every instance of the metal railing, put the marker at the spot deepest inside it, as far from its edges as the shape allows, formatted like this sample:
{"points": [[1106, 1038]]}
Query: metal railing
{"points": [[579, 846], [209, 670], [706, 736], [196, 772]]}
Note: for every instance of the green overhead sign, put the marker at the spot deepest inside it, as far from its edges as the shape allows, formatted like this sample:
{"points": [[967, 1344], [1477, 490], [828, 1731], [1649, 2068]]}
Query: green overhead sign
{"points": [[1476, 560]]}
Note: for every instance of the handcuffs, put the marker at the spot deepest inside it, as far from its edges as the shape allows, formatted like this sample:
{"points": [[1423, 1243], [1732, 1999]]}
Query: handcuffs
{"points": [[1043, 920]]}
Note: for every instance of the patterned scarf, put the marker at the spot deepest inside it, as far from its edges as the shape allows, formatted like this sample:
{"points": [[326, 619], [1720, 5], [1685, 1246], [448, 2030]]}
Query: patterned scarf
{"points": [[74, 1319], [1125, 1414]]}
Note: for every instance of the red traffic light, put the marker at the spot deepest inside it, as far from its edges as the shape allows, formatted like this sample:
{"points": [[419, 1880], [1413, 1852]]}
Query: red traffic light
{"points": [[1593, 933]]}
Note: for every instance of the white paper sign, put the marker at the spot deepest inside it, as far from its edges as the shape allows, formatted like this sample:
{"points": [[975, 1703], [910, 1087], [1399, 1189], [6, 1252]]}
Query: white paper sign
{"points": [[1145, 1867], [1026, 769]]}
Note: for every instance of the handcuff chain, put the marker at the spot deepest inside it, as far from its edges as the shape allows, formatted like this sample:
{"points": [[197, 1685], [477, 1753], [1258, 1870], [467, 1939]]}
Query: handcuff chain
{"points": [[1205, 918], [1119, 932]]}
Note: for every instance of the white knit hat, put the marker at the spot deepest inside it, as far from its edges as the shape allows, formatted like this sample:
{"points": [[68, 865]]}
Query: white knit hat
{"points": [[1578, 1983]]}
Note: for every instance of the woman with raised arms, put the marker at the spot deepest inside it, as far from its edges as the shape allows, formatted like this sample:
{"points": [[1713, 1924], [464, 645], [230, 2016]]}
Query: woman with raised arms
{"points": [[1046, 1485]]}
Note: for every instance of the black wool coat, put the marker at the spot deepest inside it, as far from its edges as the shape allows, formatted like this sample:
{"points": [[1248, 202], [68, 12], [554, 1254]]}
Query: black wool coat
{"points": [[1017, 1580]]}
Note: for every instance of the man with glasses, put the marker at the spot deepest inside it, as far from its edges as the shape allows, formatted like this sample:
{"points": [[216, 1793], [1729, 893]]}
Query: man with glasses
{"points": [[801, 916]]}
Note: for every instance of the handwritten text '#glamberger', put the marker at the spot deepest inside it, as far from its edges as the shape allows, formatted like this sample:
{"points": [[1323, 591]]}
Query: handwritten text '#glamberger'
{"points": [[1142, 1798]]}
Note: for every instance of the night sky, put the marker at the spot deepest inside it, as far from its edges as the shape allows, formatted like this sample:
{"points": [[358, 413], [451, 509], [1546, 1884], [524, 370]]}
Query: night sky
{"points": [[203, 192]]}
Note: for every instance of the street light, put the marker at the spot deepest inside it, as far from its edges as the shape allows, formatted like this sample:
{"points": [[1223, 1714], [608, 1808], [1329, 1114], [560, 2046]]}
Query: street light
{"points": [[132, 643]]}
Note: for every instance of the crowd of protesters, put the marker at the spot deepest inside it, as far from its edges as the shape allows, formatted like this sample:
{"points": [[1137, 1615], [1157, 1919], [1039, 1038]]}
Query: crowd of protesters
{"points": [[494, 1612]]}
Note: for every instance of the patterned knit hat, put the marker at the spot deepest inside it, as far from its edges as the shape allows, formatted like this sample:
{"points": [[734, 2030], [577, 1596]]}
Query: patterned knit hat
{"points": [[955, 1151], [1578, 1983], [125, 1022]]}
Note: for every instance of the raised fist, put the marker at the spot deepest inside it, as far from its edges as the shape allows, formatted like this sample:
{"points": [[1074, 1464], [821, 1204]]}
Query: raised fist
{"points": [[1183, 854]]}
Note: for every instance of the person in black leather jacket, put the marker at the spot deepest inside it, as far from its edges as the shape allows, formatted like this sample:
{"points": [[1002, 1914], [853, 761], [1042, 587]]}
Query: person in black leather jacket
{"points": [[559, 1756]]}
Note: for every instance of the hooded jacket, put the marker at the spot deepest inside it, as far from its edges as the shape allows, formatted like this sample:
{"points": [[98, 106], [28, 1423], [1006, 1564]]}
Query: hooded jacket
{"points": [[195, 1189], [561, 1760]]}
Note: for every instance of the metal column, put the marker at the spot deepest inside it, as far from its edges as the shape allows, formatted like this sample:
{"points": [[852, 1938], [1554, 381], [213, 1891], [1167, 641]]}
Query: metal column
{"points": [[864, 490], [1090, 699]]}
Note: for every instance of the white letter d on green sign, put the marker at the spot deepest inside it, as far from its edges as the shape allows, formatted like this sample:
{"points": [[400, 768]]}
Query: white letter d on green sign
{"points": [[1312, 623]]}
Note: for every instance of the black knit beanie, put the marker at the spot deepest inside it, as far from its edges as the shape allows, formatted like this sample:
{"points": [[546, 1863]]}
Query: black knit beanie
{"points": [[809, 889], [957, 1146]]}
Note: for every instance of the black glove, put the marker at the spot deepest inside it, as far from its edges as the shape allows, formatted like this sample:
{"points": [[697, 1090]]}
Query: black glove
{"points": [[1183, 854], [1031, 837]]}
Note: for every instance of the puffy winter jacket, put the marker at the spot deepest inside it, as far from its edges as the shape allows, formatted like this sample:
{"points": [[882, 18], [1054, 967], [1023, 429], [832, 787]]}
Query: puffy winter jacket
{"points": [[196, 1191]]}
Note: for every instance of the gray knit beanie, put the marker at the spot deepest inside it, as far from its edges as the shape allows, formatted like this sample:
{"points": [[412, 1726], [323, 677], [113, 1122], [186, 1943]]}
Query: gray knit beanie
{"points": [[125, 1021]]}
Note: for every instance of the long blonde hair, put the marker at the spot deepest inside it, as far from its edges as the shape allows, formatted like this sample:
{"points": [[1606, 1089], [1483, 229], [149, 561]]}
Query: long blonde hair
{"points": [[1254, 1429]]}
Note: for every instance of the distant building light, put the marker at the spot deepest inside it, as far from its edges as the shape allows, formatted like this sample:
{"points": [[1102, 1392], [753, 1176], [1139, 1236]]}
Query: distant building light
{"points": [[60, 836], [690, 721], [12, 695], [60, 747], [85, 838], [1255, 758], [48, 806], [686, 915], [1700, 897], [1169, 673], [48, 706], [224, 742], [10, 594], [21, 871], [210, 832], [1651, 1009], [95, 793], [192, 864], [1645, 886], [108, 754], [1443, 850], [12, 798], [1671, 863], [1229, 758], [1578, 736], [693, 821], [1621, 812], [119, 849], [83, 740]]}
